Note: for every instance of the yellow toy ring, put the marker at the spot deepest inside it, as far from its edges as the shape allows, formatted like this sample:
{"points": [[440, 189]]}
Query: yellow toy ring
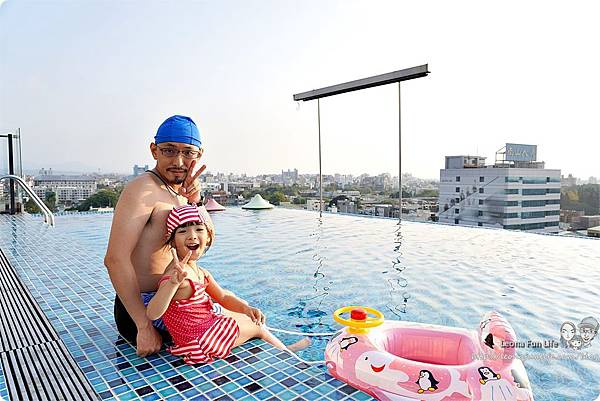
{"points": [[359, 324]]}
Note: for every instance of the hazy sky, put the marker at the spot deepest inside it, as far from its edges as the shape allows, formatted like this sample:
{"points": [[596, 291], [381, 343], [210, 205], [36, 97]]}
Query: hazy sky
{"points": [[89, 82]]}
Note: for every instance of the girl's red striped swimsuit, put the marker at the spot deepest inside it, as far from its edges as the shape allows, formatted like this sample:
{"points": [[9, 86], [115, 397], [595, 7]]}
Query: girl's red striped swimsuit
{"points": [[200, 335]]}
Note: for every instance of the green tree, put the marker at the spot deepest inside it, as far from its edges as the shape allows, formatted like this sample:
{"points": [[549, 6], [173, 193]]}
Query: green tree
{"points": [[581, 197], [293, 190], [102, 198], [50, 200], [428, 193], [405, 194], [276, 197], [299, 200], [31, 207]]}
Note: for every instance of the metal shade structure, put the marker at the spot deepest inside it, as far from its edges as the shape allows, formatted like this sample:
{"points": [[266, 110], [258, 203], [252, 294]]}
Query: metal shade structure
{"points": [[359, 84], [365, 83]]}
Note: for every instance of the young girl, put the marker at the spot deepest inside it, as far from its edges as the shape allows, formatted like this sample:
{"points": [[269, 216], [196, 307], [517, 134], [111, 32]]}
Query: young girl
{"points": [[185, 294]]}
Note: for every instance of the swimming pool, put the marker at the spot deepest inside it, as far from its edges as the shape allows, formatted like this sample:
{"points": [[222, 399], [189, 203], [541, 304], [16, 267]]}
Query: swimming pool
{"points": [[299, 268]]}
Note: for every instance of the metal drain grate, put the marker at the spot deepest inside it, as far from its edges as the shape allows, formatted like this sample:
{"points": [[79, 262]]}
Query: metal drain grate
{"points": [[35, 362]]}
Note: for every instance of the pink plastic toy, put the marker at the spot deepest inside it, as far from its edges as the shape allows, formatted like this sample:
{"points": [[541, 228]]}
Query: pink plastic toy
{"points": [[403, 361]]}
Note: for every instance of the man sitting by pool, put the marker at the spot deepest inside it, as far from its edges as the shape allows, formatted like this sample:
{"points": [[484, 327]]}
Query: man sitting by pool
{"points": [[135, 257]]}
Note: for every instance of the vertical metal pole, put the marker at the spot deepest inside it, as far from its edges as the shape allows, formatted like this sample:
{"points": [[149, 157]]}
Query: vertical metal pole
{"points": [[20, 172], [20, 153], [320, 171], [11, 171], [399, 156]]}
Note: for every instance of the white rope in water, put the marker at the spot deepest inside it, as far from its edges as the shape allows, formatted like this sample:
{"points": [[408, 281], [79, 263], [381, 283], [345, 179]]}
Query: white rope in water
{"points": [[292, 353], [299, 333]]}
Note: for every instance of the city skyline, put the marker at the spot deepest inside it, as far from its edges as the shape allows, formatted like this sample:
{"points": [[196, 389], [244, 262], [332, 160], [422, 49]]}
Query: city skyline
{"points": [[52, 170], [233, 67]]}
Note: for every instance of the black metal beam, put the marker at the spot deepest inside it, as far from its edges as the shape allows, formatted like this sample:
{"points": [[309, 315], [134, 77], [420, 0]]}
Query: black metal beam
{"points": [[11, 171], [370, 82]]}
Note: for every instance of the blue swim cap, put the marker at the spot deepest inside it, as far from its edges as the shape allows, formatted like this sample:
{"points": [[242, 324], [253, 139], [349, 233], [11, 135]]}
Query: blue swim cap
{"points": [[179, 129]]}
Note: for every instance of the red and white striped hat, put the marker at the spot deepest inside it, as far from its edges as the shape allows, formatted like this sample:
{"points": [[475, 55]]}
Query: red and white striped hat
{"points": [[184, 214]]}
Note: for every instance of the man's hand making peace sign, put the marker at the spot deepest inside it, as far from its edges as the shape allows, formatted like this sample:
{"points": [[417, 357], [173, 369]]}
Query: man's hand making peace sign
{"points": [[191, 184]]}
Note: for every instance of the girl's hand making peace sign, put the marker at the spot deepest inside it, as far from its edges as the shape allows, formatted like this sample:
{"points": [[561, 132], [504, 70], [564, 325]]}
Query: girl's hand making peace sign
{"points": [[179, 272]]}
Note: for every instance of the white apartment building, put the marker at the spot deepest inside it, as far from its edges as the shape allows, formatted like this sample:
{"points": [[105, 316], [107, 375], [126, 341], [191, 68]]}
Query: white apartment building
{"points": [[512, 194], [69, 189]]}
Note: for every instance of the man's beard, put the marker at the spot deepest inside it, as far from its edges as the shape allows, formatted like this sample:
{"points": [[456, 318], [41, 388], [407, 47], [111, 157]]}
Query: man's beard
{"points": [[178, 180]]}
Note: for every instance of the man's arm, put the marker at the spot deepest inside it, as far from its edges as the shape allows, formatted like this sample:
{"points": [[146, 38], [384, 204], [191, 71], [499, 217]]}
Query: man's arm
{"points": [[131, 215]]}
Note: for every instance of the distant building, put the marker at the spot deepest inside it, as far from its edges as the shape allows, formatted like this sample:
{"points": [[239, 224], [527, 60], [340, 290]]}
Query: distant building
{"points": [[69, 189], [313, 204], [584, 222], [383, 210], [105, 181], [137, 170], [569, 181], [239, 187], [567, 216], [594, 232], [515, 193], [212, 187], [290, 177], [43, 171], [343, 179], [381, 182], [220, 197], [351, 194], [346, 206]]}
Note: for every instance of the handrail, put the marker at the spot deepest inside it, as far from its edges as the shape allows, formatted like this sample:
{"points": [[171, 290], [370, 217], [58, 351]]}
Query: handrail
{"points": [[48, 216]]}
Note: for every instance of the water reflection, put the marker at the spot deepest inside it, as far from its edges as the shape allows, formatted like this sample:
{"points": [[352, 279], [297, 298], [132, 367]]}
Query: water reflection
{"points": [[398, 295], [310, 307]]}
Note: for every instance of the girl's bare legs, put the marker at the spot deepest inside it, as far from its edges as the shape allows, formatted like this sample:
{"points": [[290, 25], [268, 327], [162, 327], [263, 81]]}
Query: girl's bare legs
{"points": [[249, 330]]}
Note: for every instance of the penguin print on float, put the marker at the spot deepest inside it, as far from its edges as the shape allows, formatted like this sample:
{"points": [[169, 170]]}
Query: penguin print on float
{"points": [[426, 382], [487, 374]]}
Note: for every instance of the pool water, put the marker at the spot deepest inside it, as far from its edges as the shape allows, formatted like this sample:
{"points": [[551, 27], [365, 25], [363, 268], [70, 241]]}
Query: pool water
{"points": [[298, 268]]}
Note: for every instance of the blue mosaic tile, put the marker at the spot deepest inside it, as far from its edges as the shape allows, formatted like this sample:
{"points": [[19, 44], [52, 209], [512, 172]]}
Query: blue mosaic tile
{"points": [[300, 388], [238, 394], [3, 389], [151, 397], [312, 395], [212, 394]]}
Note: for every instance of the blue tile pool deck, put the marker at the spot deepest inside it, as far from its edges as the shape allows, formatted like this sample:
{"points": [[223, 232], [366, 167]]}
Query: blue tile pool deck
{"points": [[428, 273], [72, 287], [3, 388]]}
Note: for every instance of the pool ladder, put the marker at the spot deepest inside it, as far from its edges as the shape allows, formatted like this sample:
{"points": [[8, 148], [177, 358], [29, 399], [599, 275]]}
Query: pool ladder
{"points": [[48, 216]]}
